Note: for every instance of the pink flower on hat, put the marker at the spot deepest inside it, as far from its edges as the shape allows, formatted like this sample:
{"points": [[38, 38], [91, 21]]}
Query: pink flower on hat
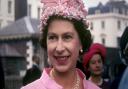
{"points": [[67, 8]]}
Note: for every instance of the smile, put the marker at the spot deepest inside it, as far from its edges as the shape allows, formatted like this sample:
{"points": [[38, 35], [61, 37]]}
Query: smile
{"points": [[61, 57], [61, 60]]}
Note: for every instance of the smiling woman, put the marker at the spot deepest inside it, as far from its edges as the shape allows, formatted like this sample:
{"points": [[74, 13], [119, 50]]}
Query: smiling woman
{"points": [[64, 34]]}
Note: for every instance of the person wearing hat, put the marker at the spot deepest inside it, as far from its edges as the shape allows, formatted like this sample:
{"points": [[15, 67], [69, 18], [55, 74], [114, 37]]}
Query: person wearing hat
{"points": [[124, 57], [63, 36], [93, 61]]}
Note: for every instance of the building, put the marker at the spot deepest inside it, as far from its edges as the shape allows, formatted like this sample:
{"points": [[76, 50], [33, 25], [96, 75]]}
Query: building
{"points": [[18, 42], [34, 8], [15, 10], [11, 10], [6, 12], [107, 22]]}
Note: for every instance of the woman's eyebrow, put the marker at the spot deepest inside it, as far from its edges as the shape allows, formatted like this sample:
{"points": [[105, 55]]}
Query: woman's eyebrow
{"points": [[50, 33], [69, 33]]}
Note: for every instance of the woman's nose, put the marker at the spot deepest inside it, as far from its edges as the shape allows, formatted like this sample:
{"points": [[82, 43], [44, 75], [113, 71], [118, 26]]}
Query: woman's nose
{"points": [[60, 46], [97, 64]]}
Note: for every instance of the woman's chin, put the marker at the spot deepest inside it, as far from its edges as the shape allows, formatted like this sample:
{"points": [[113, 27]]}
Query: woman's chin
{"points": [[61, 68]]}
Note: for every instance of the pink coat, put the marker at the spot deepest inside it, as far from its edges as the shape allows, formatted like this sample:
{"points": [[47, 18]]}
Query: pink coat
{"points": [[46, 82]]}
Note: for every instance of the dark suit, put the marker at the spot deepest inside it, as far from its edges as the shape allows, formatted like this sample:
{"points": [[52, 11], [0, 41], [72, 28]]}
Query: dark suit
{"points": [[31, 75], [2, 83]]}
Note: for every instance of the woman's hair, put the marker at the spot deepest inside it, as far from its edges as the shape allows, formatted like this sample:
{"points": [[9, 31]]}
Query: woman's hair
{"points": [[79, 25]]}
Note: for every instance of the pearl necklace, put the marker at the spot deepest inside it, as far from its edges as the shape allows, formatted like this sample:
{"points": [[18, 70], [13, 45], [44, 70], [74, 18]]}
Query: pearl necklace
{"points": [[77, 84]]}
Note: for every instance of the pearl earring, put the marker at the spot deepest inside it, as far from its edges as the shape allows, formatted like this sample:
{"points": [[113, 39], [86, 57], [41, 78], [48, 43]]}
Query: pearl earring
{"points": [[81, 50]]}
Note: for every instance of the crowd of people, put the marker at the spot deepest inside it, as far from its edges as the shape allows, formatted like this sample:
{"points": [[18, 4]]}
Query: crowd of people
{"points": [[75, 61]]}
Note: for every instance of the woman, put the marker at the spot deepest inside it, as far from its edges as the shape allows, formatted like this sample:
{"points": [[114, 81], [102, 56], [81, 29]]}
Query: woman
{"points": [[93, 61], [64, 36]]}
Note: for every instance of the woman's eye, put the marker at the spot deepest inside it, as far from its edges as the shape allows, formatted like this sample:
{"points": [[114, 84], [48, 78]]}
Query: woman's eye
{"points": [[92, 62], [52, 38], [100, 61], [67, 37]]}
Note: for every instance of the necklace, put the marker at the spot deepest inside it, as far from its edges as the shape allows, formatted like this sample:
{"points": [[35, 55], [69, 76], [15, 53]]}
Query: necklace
{"points": [[77, 83], [99, 83]]}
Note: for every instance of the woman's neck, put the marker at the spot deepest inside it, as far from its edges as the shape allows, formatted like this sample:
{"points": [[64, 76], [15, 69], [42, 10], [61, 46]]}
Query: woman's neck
{"points": [[66, 80], [98, 80]]}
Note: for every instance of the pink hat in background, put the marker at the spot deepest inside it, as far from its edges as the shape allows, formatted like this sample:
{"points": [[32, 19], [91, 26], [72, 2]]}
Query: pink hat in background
{"points": [[94, 49]]}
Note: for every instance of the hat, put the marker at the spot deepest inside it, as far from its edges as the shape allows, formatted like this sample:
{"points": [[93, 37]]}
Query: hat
{"points": [[94, 49], [66, 8]]}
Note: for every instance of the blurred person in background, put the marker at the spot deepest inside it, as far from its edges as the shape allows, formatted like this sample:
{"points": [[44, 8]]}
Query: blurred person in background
{"points": [[2, 78], [34, 72], [116, 81], [124, 56], [93, 61]]}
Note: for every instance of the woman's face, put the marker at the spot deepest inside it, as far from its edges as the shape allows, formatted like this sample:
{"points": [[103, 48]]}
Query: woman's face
{"points": [[63, 45], [96, 65]]}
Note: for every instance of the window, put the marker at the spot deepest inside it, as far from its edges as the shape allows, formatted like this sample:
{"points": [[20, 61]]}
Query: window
{"points": [[38, 13], [123, 11], [91, 25], [97, 12], [119, 24], [9, 7], [103, 41], [29, 10], [115, 10], [102, 24], [93, 37]]}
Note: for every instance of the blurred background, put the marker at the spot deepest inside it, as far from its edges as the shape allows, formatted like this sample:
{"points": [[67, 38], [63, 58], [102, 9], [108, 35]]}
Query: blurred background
{"points": [[19, 35]]}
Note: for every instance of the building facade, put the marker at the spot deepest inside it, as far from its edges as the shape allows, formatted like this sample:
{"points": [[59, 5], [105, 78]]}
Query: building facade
{"points": [[34, 8], [19, 41], [107, 22], [11, 10], [6, 12]]}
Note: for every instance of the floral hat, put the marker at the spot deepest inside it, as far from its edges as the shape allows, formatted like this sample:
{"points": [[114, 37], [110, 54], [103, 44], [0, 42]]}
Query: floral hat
{"points": [[66, 8]]}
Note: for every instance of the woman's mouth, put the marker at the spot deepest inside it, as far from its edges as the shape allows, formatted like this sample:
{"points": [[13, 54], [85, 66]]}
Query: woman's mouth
{"points": [[61, 59]]}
